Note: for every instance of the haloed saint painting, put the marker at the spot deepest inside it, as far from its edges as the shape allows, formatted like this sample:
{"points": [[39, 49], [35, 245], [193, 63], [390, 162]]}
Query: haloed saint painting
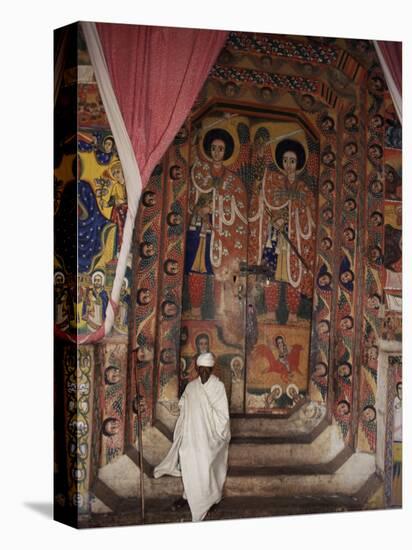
{"points": [[228, 267]]}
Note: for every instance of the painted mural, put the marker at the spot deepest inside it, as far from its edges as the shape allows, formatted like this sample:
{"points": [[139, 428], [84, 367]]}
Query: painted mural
{"points": [[250, 250], [78, 377], [393, 458], [281, 288], [145, 300], [392, 225], [90, 202], [112, 362], [270, 233]]}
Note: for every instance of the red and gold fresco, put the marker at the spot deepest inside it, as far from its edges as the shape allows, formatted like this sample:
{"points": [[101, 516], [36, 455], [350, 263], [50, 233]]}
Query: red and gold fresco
{"points": [[347, 267], [239, 208], [94, 208], [253, 167], [90, 110], [214, 254], [171, 274], [112, 402], [79, 389], [383, 215], [144, 302]]}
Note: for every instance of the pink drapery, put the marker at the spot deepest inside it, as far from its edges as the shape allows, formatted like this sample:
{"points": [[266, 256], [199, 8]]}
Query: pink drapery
{"points": [[61, 39], [156, 73], [150, 78], [390, 56], [392, 53]]}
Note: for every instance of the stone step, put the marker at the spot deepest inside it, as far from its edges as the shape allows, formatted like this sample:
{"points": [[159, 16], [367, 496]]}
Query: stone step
{"points": [[122, 478], [260, 453], [348, 479], [290, 469], [263, 436], [116, 492], [159, 510], [294, 469], [155, 445], [167, 417], [302, 426], [257, 453]]}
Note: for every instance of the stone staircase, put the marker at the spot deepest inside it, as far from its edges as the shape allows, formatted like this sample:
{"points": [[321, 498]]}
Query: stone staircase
{"points": [[276, 467]]}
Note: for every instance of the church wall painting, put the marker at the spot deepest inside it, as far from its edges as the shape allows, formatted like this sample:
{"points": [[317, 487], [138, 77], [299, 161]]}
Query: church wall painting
{"points": [[372, 249], [78, 380], [171, 276], [93, 209], [83, 283], [393, 459], [145, 300], [206, 270], [326, 124], [113, 367], [246, 235], [392, 274]]}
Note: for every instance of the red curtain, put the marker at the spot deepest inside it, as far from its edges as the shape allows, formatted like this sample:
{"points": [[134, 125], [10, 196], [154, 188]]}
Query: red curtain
{"points": [[156, 73], [392, 53]]}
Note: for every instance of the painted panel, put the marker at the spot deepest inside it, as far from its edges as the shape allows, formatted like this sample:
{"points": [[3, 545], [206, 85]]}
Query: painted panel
{"points": [[242, 207]]}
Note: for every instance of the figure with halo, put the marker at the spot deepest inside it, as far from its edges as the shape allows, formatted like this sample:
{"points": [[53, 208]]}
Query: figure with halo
{"points": [[289, 225]]}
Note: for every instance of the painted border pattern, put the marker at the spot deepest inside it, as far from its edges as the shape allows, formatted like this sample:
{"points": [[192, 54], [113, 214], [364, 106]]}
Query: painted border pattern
{"points": [[112, 369], [78, 384], [374, 236], [171, 285], [275, 46], [346, 272], [144, 301], [236, 74]]}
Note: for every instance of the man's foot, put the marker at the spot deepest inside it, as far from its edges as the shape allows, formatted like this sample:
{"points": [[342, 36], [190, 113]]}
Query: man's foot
{"points": [[179, 504]]}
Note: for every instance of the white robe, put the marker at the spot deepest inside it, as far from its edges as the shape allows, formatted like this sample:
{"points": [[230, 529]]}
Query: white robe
{"points": [[200, 445]]}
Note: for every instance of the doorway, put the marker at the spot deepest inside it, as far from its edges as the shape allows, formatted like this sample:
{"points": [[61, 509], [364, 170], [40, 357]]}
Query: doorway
{"points": [[250, 255]]}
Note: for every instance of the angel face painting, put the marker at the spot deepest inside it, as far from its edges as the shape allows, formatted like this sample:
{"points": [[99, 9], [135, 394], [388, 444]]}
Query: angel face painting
{"points": [[343, 408], [108, 144], [344, 370], [176, 172], [218, 145], [289, 163], [320, 370], [290, 157], [217, 150]]}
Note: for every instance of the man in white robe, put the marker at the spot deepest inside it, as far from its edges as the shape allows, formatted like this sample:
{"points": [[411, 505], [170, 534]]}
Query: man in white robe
{"points": [[201, 440]]}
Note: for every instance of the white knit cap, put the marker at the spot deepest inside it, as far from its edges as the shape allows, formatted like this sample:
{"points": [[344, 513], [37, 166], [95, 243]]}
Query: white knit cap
{"points": [[205, 360]]}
